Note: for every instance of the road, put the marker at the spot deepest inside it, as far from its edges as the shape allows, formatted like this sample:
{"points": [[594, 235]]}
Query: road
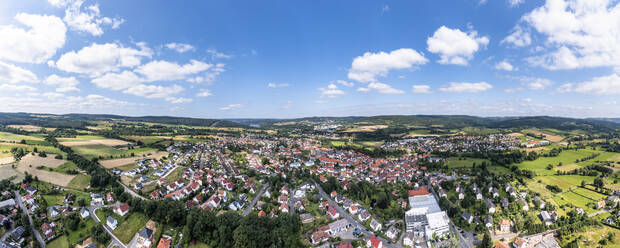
{"points": [[164, 176], [597, 213], [248, 209], [291, 202], [115, 241], [131, 192], [352, 220], [18, 198]]}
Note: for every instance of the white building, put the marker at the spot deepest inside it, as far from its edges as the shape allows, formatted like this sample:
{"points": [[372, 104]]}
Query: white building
{"points": [[438, 225]]}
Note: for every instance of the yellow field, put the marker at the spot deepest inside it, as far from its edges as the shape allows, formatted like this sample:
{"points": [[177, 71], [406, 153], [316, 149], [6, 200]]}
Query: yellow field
{"points": [[29, 164]]}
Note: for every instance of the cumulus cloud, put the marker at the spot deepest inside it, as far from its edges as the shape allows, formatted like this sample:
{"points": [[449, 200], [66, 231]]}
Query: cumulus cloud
{"points": [[344, 83], [514, 3], [87, 19], [204, 93], [16, 88], [368, 67], [565, 88], [161, 70], [465, 87], [536, 83], [579, 33], [518, 38], [209, 76], [421, 89], [277, 85], [97, 59], [331, 91], [505, 66], [381, 88], [14, 74], [180, 47], [62, 84], [605, 85], [455, 46], [232, 106], [46, 34], [158, 92], [117, 81]]}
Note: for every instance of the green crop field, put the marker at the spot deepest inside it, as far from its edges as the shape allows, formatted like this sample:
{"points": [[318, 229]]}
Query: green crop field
{"points": [[80, 182], [82, 138], [5, 149], [126, 230]]}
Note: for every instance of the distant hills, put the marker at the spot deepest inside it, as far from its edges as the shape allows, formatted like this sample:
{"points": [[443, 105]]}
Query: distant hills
{"points": [[396, 121]]}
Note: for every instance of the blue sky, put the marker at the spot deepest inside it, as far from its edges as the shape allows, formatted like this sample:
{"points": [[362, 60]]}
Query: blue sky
{"points": [[282, 59]]}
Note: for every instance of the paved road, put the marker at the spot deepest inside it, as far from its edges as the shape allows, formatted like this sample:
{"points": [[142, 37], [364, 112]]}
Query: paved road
{"points": [[291, 202], [165, 175], [131, 192], [18, 198], [248, 209], [352, 220], [115, 241]]}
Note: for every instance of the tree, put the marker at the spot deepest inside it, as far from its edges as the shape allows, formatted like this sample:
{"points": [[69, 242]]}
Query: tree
{"points": [[598, 183], [486, 241], [583, 183]]}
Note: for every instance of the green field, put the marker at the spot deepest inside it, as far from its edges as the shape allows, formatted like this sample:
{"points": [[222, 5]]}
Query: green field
{"points": [[57, 199], [455, 162], [126, 230], [565, 157], [592, 236], [575, 199], [82, 138], [94, 151], [60, 242], [82, 232], [5, 149], [79, 182]]}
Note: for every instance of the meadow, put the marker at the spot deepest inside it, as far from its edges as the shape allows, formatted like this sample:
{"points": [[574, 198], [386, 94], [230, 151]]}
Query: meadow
{"points": [[455, 162], [126, 230], [565, 158]]}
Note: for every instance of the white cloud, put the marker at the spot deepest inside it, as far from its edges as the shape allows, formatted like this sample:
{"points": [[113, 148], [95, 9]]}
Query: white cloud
{"points": [[580, 33], [179, 100], [459, 87], [180, 47], [368, 67], [504, 65], [514, 3], [16, 88], [536, 83], [421, 89], [117, 81], [35, 45], [161, 70], [518, 38], [331, 91], [218, 55], [381, 88], [53, 95], [455, 46], [209, 76], [277, 85], [63, 84], [605, 85], [155, 92], [565, 88], [232, 106], [14, 74], [204, 93], [86, 19], [344, 83], [97, 59]]}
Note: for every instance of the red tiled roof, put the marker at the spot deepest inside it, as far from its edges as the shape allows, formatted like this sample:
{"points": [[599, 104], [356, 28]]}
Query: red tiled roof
{"points": [[421, 191]]}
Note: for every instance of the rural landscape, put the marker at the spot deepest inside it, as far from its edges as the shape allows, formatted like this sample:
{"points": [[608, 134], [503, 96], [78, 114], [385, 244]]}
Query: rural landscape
{"points": [[397, 181]]}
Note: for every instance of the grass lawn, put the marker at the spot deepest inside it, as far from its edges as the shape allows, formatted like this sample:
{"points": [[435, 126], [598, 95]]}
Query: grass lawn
{"points": [[60, 242], [69, 165], [83, 231], [565, 181], [455, 162], [57, 199], [126, 230], [128, 167], [79, 182], [592, 236], [200, 245], [175, 175]]}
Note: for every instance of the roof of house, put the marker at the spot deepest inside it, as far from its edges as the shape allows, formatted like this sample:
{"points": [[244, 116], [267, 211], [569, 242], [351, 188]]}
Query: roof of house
{"points": [[164, 243], [146, 233], [421, 191]]}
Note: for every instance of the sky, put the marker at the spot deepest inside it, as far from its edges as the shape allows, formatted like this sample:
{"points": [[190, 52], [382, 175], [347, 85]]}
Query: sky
{"points": [[288, 58]]}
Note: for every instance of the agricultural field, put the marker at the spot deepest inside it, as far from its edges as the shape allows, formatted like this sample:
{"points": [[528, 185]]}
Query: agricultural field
{"points": [[6, 172], [5, 149], [79, 182], [114, 163], [31, 128], [577, 198], [10, 137], [95, 151], [565, 158], [29, 163]]}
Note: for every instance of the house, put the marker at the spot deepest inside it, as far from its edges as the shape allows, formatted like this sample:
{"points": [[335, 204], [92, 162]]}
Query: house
{"points": [[546, 218], [318, 237], [505, 203], [501, 244], [111, 222], [467, 217], [337, 227], [84, 213], [526, 206], [306, 218], [54, 212], [332, 213], [284, 208], [374, 242], [375, 225], [30, 189], [504, 226], [495, 192], [164, 242], [7, 203], [121, 210], [519, 243], [353, 209], [612, 201], [343, 244], [461, 194], [48, 231], [363, 215], [539, 202], [392, 232], [488, 221], [490, 205], [18, 233], [600, 204], [145, 238], [29, 199], [409, 239], [6, 245]]}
